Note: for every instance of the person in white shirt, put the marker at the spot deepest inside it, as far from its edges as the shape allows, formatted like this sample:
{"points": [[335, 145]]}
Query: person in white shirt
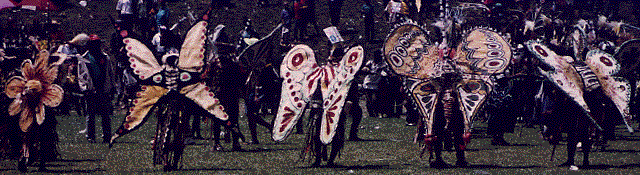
{"points": [[126, 13]]}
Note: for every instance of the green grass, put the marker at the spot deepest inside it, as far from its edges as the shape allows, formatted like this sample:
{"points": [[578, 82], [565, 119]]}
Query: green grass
{"points": [[389, 150]]}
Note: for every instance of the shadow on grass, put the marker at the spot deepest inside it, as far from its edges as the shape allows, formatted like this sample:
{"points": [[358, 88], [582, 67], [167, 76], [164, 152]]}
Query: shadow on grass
{"points": [[260, 150], [479, 149], [521, 144], [604, 167], [279, 143], [628, 138], [367, 140], [71, 171], [499, 167], [207, 169], [126, 142], [79, 160], [354, 167], [619, 151]]}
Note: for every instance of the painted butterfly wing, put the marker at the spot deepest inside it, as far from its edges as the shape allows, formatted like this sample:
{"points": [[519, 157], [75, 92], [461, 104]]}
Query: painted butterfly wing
{"points": [[202, 95], [192, 51], [143, 103], [143, 63], [616, 88], [409, 52], [483, 52], [256, 55], [425, 94], [472, 92], [300, 73], [335, 86], [628, 55], [562, 74]]}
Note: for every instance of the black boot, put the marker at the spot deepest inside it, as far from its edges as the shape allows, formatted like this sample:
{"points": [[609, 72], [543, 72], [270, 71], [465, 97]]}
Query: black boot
{"points": [[42, 167], [498, 140], [439, 164], [22, 164], [461, 162]]}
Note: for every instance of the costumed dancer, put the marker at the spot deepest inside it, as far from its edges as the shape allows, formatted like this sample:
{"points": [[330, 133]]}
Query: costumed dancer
{"points": [[302, 79], [176, 89], [224, 73], [594, 92], [33, 92], [262, 80], [447, 84]]}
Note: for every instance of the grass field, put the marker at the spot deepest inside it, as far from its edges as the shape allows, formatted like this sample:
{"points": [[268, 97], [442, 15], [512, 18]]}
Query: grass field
{"points": [[388, 149]]}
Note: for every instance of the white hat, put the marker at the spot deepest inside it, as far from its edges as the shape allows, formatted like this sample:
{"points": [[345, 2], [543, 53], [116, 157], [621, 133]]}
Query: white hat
{"points": [[80, 39]]}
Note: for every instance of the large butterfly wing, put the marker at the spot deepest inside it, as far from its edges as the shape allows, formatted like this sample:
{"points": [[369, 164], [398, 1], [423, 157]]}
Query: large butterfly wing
{"points": [[409, 52], [483, 52], [472, 92], [562, 74], [202, 95], [335, 87], [618, 89], [425, 94], [143, 63], [256, 55], [300, 73], [192, 51], [145, 100], [628, 55]]}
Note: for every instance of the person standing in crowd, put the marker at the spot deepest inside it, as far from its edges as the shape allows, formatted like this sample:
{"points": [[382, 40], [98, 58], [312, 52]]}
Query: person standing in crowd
{"points": [[126, 13], [300, 30], [335, 6], [222, 3], [287, 21], [73, 49], [98, 94], [310, 15], [162, 17], [370, 85], [368, 13]]}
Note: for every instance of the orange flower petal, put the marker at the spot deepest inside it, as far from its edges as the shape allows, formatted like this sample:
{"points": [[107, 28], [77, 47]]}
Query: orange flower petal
{"points": [[26, 118], [15, 107], [52, 96], [28, 71], [40, 114], [15, 86], [51, 74]]}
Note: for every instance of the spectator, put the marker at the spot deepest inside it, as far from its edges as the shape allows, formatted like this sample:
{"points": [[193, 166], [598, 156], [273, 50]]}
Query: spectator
{"points": [[299, 8], [310, 15], [98, 95], [287, 20], [367, 14], [335, 7], [126, 13], [162, 17]]}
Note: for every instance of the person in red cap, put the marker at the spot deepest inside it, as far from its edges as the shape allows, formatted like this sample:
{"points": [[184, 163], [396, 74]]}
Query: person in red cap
{"points": [[98, 88]]}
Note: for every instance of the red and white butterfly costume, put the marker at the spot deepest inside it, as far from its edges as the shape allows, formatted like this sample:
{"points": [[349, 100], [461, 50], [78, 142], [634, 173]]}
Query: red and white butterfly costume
{"points": [[158, 80], [481, 54], [302, 77]]}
